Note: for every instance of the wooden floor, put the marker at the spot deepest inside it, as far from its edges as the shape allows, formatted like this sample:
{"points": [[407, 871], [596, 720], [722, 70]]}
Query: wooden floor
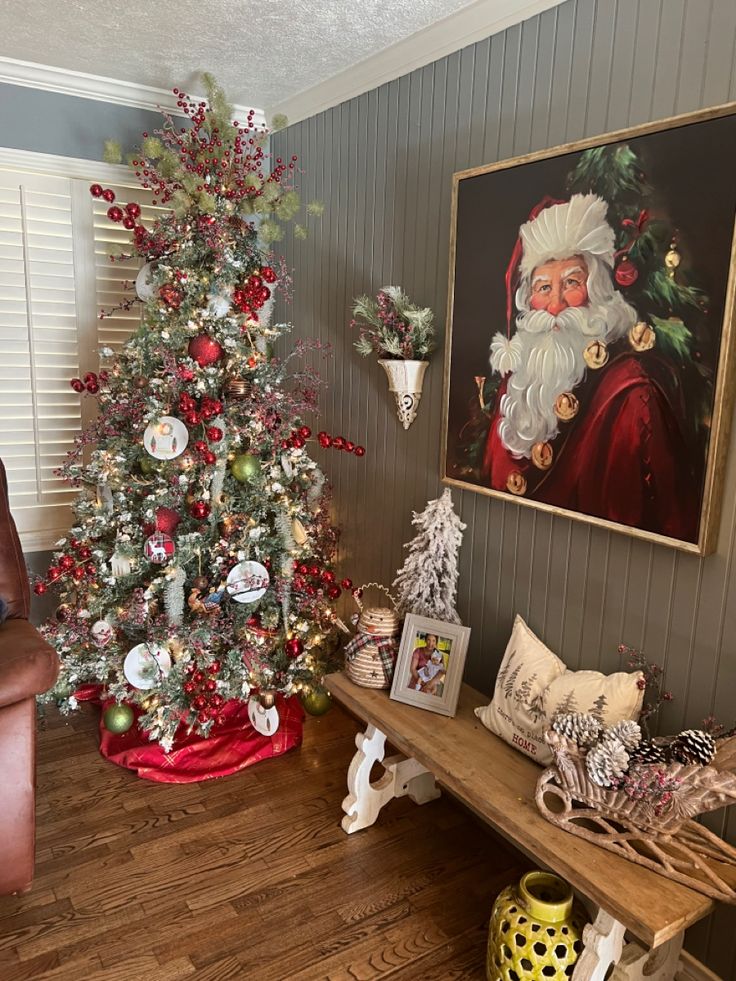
{"points": [[246, 877]]}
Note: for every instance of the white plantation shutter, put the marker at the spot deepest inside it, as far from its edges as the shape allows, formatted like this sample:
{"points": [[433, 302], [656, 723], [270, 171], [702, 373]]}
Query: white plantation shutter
{"points": [[55, 276]]}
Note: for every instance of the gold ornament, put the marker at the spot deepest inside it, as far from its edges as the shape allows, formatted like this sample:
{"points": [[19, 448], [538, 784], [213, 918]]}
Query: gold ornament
{"points": [[238, 389], [542, 454], [672, 260], [516, 483], [267, 699], [595, 354], [298, 531], [642, 337], [566, 406], [176, 648]]}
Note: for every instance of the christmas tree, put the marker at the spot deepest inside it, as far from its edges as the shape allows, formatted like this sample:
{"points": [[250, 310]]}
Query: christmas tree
{"points": [[427, 582], [199, 569]]}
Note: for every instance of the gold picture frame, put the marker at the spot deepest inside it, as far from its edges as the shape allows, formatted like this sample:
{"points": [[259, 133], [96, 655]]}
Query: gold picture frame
{"points": [[651, 138]]}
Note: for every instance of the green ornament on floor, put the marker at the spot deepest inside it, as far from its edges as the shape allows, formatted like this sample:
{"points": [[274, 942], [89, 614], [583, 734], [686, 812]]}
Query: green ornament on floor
{"points": [[245, 467], [118, 718], [316, 701]]}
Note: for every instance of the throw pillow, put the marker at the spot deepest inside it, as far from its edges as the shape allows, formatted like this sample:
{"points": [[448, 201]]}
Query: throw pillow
{"points": [[534, 685]]}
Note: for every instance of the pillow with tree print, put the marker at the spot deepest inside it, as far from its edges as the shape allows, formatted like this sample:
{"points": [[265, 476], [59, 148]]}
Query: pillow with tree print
{"points": [[534, 685]]}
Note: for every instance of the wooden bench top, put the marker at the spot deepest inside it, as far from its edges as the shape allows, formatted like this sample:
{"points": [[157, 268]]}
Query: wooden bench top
{"points": [[498, 783]]}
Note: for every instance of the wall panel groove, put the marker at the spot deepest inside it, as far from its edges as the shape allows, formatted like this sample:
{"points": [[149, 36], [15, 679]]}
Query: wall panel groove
{"points": [[382, 163]]}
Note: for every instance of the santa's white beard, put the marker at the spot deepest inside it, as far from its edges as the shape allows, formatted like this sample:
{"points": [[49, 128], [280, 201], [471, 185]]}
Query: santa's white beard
{"points": [[545, 359]]}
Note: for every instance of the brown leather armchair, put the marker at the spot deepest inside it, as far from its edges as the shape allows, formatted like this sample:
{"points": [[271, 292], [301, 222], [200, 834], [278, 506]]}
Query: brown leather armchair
{"points": [[28, 667]]}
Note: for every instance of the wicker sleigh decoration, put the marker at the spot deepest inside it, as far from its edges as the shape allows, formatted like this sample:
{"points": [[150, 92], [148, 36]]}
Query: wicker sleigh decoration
{"points": [[370, 657], [671, 842]]}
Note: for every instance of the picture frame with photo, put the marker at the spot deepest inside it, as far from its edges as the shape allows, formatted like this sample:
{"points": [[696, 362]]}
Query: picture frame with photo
{"points": [[429, 668]]}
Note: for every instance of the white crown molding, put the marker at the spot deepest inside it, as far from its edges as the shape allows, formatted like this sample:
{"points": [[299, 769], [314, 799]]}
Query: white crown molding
{"points": [[97, 87], [475, 22], [49, 163]]}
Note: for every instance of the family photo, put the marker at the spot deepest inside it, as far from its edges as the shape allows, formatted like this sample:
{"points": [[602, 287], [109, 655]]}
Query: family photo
{"points": [[429, 661]]}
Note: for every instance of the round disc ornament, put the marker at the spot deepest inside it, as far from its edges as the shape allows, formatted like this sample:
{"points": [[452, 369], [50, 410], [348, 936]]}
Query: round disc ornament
{"points": [[166, 438], [247, 582], [264, 720], [159, 548], [144, 287], [146, 664]]}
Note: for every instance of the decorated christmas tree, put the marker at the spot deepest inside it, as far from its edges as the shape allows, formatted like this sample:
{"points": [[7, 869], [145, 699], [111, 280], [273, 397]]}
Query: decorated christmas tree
{"points": [[198, 575], [426, 584]]}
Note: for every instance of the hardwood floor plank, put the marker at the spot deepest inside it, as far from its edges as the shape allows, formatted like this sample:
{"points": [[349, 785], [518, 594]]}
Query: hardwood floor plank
{"points": [[249, 877]]}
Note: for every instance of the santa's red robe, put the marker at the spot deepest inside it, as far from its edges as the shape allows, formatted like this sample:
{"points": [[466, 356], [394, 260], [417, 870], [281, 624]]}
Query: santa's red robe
{"points": [[623, 457]]}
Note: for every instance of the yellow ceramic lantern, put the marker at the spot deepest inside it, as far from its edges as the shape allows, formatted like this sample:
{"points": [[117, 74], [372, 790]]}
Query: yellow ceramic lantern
{"points": [[536, 931]]}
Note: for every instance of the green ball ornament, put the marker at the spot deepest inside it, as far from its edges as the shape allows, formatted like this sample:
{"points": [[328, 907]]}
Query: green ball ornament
{"points": [[245, 467], [118, 718], [316, 701], [147, 465]]}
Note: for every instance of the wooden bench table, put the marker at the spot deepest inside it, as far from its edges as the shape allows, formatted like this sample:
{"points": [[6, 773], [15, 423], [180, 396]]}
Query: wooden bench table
{"points": [[498, 784]]}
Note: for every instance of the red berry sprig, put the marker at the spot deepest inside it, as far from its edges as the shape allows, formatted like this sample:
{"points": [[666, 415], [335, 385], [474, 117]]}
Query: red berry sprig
{"points": [[90, 383], [201, 687], [339, 443]]}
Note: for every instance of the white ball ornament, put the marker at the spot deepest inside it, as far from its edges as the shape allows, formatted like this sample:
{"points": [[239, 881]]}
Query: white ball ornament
{"points": [[144, 286]]}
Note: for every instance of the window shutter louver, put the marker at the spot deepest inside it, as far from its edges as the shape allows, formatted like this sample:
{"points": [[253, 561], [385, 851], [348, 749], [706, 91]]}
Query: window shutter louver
{"points": [[55, 277]]}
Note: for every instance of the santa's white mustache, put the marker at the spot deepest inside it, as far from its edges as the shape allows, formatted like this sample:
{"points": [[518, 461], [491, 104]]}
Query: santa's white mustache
{"points": [[581, 318]]}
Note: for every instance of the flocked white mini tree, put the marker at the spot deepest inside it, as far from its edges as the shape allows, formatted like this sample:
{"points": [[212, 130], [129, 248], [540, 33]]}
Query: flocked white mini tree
{"points": [[426, 584]]}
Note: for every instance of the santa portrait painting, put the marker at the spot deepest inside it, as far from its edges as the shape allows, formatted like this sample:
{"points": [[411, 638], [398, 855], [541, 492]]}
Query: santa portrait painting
{"points": [[595, 392]]}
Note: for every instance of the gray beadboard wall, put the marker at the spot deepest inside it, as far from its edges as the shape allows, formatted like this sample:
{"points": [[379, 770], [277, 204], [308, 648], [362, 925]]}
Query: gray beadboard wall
{"points": [[382, 164]]}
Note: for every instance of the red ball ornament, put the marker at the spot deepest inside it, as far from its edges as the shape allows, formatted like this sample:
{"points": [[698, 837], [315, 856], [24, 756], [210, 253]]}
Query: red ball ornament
{"points": [[346, 583], [96, 190], [211, 685], [334, 592], [78, 573], [338, 442], [192, 417], [204, 350], [200, 510], [359, 451], [66, 562], [268, 274], [40, 588], [199, 677], [214, 434], [626, 273], [85, 552], [215, 667], [53, 573], [305, 432], [92, 387], [303, 569], [297, 442], [133, 209], [115, 213], [209, 457], [328, 576], [167, 520], [77, 384], [90, 568], [189, 687], [199, 702], [293, 646], [129, 223], [313, 570], [108, 194], [200, 446], [324, 440]]}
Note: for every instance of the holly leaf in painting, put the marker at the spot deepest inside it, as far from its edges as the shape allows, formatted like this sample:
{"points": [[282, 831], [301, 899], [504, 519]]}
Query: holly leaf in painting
{"points": [[673, 335]]}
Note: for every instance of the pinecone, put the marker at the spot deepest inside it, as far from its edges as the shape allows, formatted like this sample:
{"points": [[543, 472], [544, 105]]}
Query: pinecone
{"points": [[582, 728], [607, 762], [650, 751], [693, 747], [627, 732]]}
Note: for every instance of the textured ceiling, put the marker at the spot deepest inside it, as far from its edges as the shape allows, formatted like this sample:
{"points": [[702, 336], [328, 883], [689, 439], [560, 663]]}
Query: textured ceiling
{"points": [[263, 53]]}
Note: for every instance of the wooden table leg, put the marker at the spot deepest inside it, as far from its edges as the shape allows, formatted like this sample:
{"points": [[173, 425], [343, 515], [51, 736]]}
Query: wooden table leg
{"points": [[604, 947], [401, 777]]}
